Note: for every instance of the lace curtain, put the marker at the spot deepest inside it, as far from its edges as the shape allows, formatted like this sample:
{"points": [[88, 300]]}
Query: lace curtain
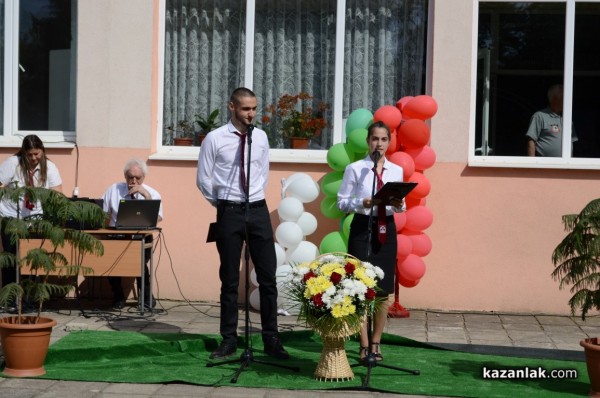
{"points": [[204, 53], [294, 50]]}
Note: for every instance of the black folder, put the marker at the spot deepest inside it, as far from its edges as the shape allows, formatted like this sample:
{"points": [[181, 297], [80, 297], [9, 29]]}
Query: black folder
{"points": [[394, 190], [212, 232]]}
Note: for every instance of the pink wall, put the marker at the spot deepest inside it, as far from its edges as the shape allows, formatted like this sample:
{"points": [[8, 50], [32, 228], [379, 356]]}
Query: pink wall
{"points": [[493, 232]]}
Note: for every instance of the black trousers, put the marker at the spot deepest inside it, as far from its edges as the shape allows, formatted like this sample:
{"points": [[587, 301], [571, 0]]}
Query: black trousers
{"points": [[231, 234]]}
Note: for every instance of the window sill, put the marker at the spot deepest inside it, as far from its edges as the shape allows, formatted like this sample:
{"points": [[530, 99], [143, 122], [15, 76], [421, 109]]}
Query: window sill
{"points": [[276, 155], [534, 162]]}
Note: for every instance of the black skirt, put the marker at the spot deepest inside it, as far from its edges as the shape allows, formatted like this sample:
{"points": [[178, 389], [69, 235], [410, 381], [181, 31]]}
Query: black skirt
{"points": [[383, 256]]}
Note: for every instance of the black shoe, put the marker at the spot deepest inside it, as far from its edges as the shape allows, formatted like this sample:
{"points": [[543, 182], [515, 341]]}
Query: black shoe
{"points": [[225, 350], [274, 348], [118, 304]]}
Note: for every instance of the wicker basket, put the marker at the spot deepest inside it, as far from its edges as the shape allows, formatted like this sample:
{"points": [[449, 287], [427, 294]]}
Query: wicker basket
{"points": [[333, 364]]}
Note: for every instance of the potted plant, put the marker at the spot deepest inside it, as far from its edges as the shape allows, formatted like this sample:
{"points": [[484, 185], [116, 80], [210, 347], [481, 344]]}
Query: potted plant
{"points": [[24, 355], [295, 117], [577, 263], [206, 125], [184, 133]]}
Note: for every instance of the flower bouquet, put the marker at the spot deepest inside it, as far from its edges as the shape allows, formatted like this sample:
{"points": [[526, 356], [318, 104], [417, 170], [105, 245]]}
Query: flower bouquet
{"points": [[335, 293]]}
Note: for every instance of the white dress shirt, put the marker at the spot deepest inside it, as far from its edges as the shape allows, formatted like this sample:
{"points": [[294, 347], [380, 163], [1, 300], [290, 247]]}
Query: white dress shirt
{"points": [[219, 165], [357, 185], [10, 172]]}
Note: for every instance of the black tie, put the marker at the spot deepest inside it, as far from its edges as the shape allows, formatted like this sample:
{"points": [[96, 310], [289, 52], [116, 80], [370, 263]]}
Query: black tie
{"points": [[243, 146]]}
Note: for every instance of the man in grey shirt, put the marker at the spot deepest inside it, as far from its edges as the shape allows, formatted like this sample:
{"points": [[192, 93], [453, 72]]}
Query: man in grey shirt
{"points": [[544, 136]]}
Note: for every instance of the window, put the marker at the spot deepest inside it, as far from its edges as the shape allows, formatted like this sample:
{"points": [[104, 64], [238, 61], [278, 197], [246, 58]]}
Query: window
{"points": [[38, 59], [348, 54], [525, 52]]}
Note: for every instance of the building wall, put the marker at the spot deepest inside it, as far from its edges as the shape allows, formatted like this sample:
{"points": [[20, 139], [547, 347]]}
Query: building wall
{"points": [[494, 229]]}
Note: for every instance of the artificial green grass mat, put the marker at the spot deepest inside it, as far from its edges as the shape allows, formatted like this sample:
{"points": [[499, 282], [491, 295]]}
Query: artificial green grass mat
{"points": [[132, 357]]}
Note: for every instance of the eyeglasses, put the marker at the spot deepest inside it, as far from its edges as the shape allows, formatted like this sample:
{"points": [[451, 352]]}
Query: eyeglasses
{"points": [[130, 177]]}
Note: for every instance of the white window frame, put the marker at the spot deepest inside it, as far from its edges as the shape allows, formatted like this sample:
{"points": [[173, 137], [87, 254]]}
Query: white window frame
{"points": [[11, 136], [564, 162], [167, 152]]}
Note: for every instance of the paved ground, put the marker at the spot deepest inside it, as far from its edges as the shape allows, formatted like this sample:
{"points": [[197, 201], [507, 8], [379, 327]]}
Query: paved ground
{"points": [[559, 334]]}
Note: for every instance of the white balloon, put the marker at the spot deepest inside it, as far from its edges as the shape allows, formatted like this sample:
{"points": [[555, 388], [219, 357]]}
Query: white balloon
{"points": [[282, 272], [290, 209], [288, 234], [280, 253], [308, 223], [303, 188], [255, 299], [253, 278], [304, 252], [293, 178]]}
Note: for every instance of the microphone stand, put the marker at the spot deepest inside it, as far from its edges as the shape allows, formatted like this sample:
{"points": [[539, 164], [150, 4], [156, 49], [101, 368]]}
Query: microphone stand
{"points": [[247, 356], [370, 360]]}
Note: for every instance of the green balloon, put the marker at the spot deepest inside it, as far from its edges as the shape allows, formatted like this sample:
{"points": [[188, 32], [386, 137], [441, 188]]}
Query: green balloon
{"points": [[329, 208], [339, 156], [346, 224], [330, 184], [360, 118], [357, 141], [334, 242]]}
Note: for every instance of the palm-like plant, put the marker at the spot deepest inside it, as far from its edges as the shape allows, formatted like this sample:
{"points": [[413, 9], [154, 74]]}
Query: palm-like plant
{"points": [[577, 258], [47, 259]]}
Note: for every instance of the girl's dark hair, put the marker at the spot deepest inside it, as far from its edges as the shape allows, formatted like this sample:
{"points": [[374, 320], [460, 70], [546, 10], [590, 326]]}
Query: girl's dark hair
{"points": [[378, 125], [32, 141]]}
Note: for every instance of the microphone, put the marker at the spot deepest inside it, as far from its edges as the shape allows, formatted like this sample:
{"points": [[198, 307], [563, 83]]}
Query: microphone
{"points": [[376, 156], [249, 129]]}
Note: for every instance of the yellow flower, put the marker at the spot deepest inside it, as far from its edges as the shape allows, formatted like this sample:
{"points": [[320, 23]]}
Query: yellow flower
{"points": [[316, 285], [361, 275], [340, 310]]}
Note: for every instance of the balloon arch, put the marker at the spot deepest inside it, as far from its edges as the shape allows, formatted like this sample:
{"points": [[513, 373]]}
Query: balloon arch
{"points": [[409, 149]]}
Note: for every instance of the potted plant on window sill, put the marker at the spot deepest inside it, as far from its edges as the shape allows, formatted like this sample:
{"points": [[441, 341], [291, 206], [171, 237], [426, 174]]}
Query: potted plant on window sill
{"points": [[183, 134], [297, 120], [577, 263], [206, 125], [25, 338]]}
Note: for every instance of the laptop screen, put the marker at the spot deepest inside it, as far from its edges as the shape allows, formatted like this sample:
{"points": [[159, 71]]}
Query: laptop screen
{"points": [[137, 214]]}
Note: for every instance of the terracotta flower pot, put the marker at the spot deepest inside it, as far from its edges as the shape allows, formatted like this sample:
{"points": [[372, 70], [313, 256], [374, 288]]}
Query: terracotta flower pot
{"points": [[299, 142], [183, 141], [25, 345], [592, 359]]}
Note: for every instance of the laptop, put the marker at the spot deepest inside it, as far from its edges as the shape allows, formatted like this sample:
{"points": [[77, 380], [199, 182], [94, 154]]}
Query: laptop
{"points": [[137, 214]]}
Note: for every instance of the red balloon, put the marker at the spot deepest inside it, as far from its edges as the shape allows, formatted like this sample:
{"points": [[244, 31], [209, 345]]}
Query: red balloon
{"points": [[423, 186], [388, 114], [423, 157], [404, 245], [405, 161], [418, 218], [407, 283], [420, 107], [421, 242], [393, 144], [412, 268], [403, 101], [414, 133], [400, 220], [412, 202]]}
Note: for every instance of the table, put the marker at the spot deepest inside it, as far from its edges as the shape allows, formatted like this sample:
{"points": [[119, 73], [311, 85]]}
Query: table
{"points": [[124, 255]]}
